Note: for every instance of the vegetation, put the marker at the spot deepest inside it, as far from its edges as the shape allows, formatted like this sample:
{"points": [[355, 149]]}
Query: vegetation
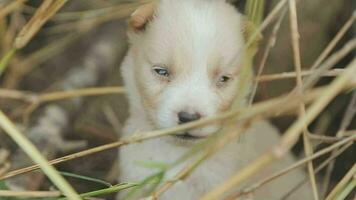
{"points": [[40, 92]]}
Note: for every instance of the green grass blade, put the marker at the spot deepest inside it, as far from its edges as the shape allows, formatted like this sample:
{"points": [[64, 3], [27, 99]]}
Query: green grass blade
{"points": [[152, 180], [86, 178], [110, 190], [348, 189], [6, 59]]}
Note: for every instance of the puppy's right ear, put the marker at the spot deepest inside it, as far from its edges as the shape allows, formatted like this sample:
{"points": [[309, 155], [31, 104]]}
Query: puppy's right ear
{"points": [[141, 17]]}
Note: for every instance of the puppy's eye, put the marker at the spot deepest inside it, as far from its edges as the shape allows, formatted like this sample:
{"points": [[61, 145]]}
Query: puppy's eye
{"points": [[161, 71], [224, 79]]}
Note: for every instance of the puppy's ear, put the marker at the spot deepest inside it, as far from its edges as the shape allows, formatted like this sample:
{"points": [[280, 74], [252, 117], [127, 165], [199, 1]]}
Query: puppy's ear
{"points": [[141, 17]]}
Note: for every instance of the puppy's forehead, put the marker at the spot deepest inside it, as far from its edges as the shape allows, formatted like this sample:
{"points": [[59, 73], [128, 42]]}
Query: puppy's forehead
{"points": [[194, 32]]}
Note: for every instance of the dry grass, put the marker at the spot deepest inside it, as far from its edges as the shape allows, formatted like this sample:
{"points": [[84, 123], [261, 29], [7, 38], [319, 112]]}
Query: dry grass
{"points": [[305, 100]]}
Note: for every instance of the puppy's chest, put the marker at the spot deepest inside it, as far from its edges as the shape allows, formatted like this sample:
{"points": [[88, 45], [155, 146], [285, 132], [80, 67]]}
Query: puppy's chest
{"points": [[215, 169]]}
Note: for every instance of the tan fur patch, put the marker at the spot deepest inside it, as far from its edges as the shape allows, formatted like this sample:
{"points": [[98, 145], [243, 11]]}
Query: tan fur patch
{"points": [[225, 105]]}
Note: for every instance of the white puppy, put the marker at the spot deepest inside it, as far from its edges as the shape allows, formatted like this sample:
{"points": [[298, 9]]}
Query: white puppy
{"points": [[185, 66]]}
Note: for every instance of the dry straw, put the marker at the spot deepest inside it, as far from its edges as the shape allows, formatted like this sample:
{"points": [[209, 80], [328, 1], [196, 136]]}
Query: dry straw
{"points": [[296, 101], [308, 149], [47, 9], [36, 156], [290, 138]]}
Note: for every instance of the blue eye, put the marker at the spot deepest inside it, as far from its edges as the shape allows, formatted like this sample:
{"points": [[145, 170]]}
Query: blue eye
{"points": [[161, 71]]}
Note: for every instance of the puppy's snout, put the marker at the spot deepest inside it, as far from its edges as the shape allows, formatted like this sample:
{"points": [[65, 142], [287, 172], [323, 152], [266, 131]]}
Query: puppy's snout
{"points": [[185, 117]]}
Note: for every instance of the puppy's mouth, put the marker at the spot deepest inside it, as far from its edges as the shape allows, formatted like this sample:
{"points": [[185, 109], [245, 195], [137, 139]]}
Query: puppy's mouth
{"points": [[187, 136]]}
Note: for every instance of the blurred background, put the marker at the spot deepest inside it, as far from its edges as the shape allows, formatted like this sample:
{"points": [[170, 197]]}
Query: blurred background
{"points": [[82, 45]]}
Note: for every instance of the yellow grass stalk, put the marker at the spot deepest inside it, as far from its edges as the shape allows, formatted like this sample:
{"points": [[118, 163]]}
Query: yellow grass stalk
{"points": [[344, 181], [36, 156], [290, 137], [10, 7], [47, 9], [308, 148], [29, 194], [270, 106]]}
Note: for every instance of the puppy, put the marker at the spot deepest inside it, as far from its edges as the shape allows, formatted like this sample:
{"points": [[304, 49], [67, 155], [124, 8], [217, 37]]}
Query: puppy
{"points": [[183, 65]]}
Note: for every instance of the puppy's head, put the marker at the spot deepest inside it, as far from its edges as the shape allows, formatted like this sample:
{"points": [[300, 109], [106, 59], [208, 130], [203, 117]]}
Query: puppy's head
{"points": [[187, 59]]}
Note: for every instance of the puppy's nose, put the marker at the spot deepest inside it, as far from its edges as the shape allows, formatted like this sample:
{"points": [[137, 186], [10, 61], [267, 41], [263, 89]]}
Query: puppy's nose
{"points": [[185, 117]]}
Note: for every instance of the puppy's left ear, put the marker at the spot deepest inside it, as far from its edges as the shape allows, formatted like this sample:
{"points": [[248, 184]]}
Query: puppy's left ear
{"points": [[141, 16]]}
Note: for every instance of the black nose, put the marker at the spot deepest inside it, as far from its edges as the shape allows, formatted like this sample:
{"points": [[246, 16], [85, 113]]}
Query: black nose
{"points": [[185, 117]]}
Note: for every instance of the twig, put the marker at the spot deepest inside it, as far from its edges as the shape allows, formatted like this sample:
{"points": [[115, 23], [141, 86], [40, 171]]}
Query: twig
{"points": [[325, 139], [53, 119], [86, 178], [11, 7], [242, 113], [6, 59], [346, 120], [116, 12], [55, 96], [290, 137], [286, 75], [16, 94], [333, 89], [298, 68], [59, 95], [47, 9], [4, 168], [36, 100], [330, 62], [348, 116], [319, 168], [76, 15], [32, 61], [29, 194], [110, 190], [81, 27], [36, 156], [269, 18], [348, 189], [270, 45], [295, 166], [334, 41], [349, 175]]}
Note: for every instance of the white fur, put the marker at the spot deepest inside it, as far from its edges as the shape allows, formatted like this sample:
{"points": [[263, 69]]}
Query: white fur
{"points": [[191, 38]]}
